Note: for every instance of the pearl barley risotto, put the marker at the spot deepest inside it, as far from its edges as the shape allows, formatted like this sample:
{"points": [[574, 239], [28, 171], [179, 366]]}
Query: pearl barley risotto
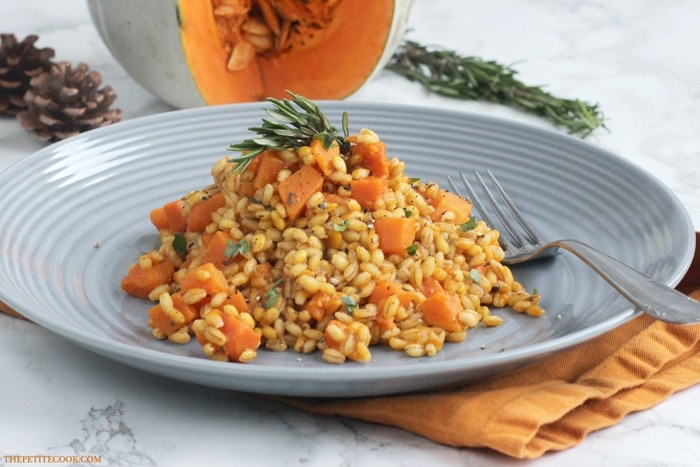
{"points": [[324, 246]]}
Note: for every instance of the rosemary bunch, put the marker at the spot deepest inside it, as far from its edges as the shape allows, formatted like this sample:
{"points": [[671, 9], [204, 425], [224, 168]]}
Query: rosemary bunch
{"points": [[447, 73], [294, 123]]}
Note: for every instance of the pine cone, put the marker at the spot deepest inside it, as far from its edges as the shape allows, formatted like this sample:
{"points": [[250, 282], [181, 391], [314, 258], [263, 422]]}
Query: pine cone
{"points": [[65, 101], [19, 63]]}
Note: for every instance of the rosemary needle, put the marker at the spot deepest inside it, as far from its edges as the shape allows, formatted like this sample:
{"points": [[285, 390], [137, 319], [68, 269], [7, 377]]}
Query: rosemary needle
{"points": [[292, 124], [447, 73]]}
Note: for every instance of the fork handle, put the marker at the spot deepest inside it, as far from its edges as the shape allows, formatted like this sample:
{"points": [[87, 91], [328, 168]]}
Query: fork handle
{"points": [[647, 294]]}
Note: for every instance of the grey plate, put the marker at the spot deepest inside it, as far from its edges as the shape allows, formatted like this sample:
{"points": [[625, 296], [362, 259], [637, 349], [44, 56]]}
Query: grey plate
{"points": [[75, 215]]}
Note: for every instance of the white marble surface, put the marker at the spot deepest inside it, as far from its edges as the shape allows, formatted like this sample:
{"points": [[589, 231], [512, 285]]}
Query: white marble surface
{"points": [[637, 59]]}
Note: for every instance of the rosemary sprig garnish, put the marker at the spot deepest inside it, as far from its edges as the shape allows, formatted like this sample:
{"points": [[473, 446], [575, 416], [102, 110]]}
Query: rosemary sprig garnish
{"points": [[447, 73], [295, 123]]}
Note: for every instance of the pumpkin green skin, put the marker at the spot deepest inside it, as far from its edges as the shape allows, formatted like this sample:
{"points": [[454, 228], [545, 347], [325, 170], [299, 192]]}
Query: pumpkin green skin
{"points": [[144, 37]]}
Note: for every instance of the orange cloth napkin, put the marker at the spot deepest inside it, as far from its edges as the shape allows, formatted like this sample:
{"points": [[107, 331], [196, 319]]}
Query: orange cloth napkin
{"points": [[552, 405]]}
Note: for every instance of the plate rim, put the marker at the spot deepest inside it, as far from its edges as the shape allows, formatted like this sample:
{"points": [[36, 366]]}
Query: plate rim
{"points": [[152, 356]]}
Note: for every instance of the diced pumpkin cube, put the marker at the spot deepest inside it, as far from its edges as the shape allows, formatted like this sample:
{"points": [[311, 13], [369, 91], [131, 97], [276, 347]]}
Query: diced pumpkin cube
{"points": [[395, 234], [177, 222], [296, 190], [200, 214], [139, 281], [447, 201], [207, 277], [442, 310], [159, 319], [367, 191]]}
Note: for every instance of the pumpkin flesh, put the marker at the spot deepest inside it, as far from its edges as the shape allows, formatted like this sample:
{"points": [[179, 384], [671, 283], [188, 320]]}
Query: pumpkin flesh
{"points": [[205, 56], [248, 50]]}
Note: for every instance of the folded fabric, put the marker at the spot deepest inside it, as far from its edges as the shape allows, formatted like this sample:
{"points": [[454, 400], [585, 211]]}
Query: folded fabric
{"points": [[549, 406], [552, 405]]}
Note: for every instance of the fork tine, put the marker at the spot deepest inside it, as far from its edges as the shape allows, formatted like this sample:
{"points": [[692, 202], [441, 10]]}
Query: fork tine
{"points": [[518, 239], [471, 196], [524, 224], [476, 201], [514, 239]]}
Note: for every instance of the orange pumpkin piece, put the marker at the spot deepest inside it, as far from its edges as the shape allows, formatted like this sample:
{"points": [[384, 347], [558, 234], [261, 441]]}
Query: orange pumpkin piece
{"points": [[252, 167], [160, 320], [246, 188], [384, 290], [177, 222], [261, 275], [430, 286], [367, 191], [447, 201], [442, 310], [139, 282], [385, 323], [374, 157], [322, 304], [207, 277], [296, 190], [239, 337], [270, 165], [200, 214], [335, 198], [324, 156], [159, 219], [236, 299], [215, 250], [395, 234], [381, 292]]}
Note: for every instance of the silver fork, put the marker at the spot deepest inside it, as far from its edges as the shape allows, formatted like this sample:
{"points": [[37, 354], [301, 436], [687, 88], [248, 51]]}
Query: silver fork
{"points": [[524, 244]]}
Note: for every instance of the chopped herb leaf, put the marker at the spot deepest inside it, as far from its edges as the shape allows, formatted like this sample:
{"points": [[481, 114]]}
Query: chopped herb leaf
{"points": [[411, 250], [273, 294], [414, 180], [180, 244], [234, 249], [407, 212], [469, 225], [342, 226], [474, 274], [349, 303]]}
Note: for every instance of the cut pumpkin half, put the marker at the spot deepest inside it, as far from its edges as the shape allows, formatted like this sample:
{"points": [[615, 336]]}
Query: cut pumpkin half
{"points": [[247, 50]]}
